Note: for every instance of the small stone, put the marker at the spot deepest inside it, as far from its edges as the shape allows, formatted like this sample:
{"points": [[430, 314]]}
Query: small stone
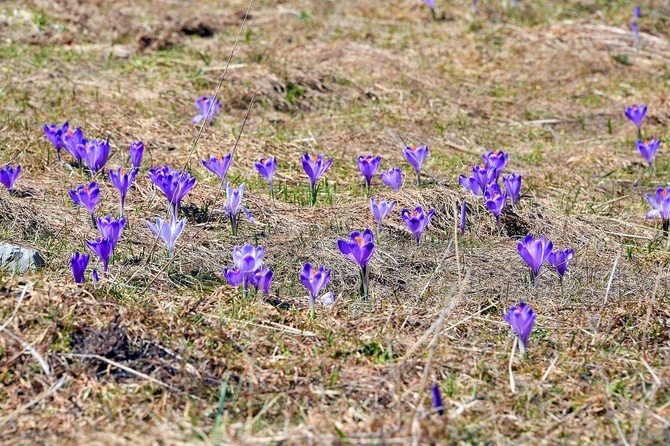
{"points": [[19, 259]]}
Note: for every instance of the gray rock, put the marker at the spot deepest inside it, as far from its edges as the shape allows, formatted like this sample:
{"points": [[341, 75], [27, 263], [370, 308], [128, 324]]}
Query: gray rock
{"points": [[19, 259]]}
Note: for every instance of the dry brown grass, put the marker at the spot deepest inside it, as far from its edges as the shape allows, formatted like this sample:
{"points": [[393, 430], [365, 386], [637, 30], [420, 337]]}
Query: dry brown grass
{"points": [[169, 354]]}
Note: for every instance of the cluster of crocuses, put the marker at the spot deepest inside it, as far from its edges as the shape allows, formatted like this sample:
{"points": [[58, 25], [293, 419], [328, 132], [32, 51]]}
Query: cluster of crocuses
{"points": [[94, 153], [88, 196], [249, 268], [660, 200], [647, 147], [537, 251], [484, 183], [360, 246]]}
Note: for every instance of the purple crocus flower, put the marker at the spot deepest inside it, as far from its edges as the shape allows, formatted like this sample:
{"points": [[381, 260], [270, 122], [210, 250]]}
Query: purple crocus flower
{"points": [[94, 275], [54, 134], [266, 167], [72, 139], [636, 114], [661, 206], [430, 3], [79, 264], [174, 184], [122, 181], [359, 249], [95, 153], [110, 228], [464, 210], [233, 206], [495, 202], [233, 276], [560, 260], [168, 231], [636, 13], [208, 108], [315, 167], [247, 261], [368, 166], [314, 279], [648, 149], [496, 159], [219, 166], [103, 248], [417, 220], [521, 318], [392, 178], [380, 211], [416, 155], [534, 252], [474, 6], [512, 184], [262, 279], [437, 399], [136, 153], [8, 176], [480, 180], [87, 196]]}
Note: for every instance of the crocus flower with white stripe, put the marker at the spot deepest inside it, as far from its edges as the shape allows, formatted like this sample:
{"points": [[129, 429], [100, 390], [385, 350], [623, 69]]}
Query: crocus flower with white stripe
{"points": [[122, 181], [392, 178], [208, 108], [535, 252], [8, 176], [233, 206], [315, 166], [648, 149], [417, 221], [54, 134], [521, 318], [380, 211], [266, 167], [661, 206], [368, 166], [314, 279], [416, 155], [168, 231]]}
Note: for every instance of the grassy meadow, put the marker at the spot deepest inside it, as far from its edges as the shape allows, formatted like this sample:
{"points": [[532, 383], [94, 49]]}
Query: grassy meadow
{"points": [[164, 352]]}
